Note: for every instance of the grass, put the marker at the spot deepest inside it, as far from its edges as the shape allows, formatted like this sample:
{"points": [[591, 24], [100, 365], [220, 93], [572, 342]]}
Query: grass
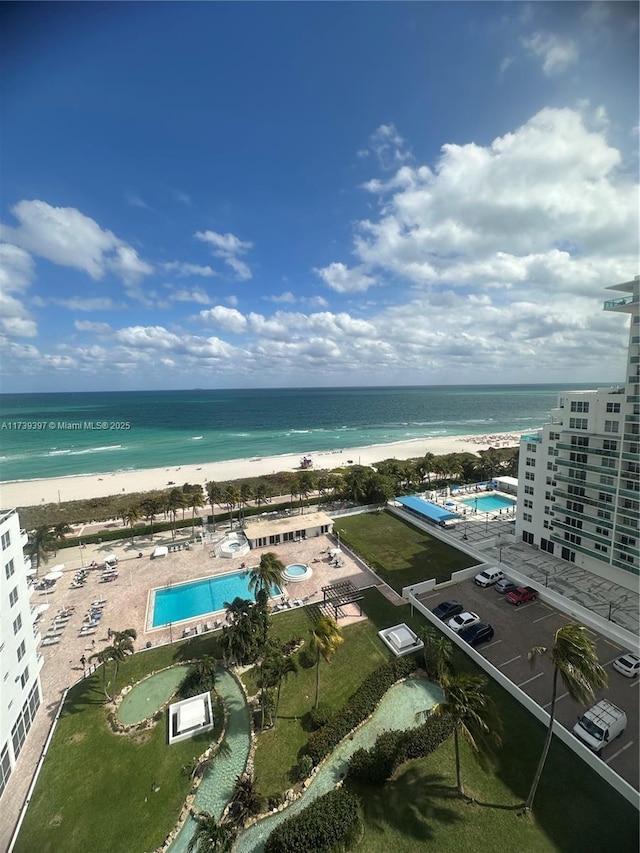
{"points": [[95, 788], [400, 553], [278, 749]]}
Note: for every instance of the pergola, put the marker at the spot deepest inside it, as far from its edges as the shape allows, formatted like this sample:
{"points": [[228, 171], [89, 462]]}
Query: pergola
{"points": [[336, 595]]}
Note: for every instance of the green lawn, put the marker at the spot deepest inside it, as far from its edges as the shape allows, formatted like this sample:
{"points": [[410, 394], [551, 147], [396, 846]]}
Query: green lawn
{"points": [[278, 749], [95, 788], [400, 553]]}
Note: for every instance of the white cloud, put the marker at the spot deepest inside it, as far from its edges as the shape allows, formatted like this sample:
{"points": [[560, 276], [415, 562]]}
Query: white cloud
{"points": [[16, 320], [556, 53], [506, 63], [182, 269], [134, 200], [68, 238], [388, 147], [344, 280], [96, 303], [181, 197], [94, 328], [228, 247], [227, 319], [286, 297], [16, 268], [181, 295]]}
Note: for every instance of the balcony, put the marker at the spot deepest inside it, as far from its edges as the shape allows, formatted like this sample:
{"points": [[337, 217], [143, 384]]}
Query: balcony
{"points": [[24, 538], [613, 304], [532, 437]]}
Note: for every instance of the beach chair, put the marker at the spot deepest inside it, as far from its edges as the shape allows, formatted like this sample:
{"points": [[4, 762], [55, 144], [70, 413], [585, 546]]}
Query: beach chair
{"points": [[50, 641], [208, 626], [186, 632], [199, 628]]}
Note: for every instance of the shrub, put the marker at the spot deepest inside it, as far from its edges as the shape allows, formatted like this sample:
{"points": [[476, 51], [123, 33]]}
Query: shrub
{"points": [[306, 658], [374, 766], [318, 717], [303, 768], [330, 823], [358, 707]]}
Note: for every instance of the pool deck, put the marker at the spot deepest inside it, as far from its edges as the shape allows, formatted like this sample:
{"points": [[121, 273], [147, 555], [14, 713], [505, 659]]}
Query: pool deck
{"points": [[126, 608]]}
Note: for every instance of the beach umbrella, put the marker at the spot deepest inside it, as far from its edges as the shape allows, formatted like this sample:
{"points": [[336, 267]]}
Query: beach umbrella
{"points": [[53, 575], [41, 608], [335, 551]]}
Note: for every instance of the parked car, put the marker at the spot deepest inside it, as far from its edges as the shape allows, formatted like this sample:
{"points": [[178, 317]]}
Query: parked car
{"points": [[463, 620], [628, 664], [446, 609], [488, 576], [505, 585], [479, 632], [522, 594], [599, 725]]}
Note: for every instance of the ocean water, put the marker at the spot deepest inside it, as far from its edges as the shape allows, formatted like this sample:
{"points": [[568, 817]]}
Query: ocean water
{"points": [[51, 435]]}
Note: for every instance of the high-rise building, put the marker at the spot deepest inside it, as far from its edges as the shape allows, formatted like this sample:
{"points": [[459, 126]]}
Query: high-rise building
{"points": [[579, 476], [20, 663]]}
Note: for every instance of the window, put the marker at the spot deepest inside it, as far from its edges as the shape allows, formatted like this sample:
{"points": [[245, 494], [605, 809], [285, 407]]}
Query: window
{"points": [[568, 554], [609, 444], [611, 426], [576, 490], [549, 466], [527, 537], [9, 569], [547, 510], [578, 457], [528, 504], [5, 768], [545, 524], [577, 475], [603, 498], [573, 537], [573, 522], [602, 531], [528, 490], [628, 540], [531, 448], [606, 480], [579, 441], [22, 650], [554, 436], [17, 624], [13, 596], [579, 406], [613, 407], [579, 423], [6, 540], [576, 507], [602, 548], [24, 678], [526, 516], [606, 462], [529, 475], [530, 460], [603, 513]]}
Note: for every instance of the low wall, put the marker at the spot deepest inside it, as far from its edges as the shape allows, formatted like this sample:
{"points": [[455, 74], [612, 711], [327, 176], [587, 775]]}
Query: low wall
{"points": [[603, 770]]}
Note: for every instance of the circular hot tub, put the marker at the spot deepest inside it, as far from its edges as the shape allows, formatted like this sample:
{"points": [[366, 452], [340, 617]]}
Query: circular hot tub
{"points": [[296, 572]]}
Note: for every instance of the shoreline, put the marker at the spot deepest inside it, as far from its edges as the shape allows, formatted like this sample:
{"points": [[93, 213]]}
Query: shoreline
{"points": [[83, 486]]}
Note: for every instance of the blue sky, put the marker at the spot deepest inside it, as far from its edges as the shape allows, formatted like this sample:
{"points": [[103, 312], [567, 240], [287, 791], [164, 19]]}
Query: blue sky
{"points": [[243, 195]]}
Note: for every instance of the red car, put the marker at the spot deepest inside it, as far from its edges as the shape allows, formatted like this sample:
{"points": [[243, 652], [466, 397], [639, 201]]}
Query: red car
{"points": [[521, 595]]}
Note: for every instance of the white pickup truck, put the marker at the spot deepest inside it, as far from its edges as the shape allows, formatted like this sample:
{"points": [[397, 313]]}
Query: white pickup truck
{"points": [[601, 724]]}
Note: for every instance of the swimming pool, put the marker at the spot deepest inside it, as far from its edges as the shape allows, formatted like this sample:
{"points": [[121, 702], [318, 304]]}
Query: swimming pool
{"points": [[489, 503], [199, 598], [297, 572]]}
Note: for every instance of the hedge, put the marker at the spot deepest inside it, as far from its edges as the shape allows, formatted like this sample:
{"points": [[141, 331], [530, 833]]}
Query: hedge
{"points": [[358, 707], [374, 766], [331, 822]]}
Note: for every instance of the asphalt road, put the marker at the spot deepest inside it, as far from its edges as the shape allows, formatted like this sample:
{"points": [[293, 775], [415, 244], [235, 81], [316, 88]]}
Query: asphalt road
{"points": [[517, 631]]}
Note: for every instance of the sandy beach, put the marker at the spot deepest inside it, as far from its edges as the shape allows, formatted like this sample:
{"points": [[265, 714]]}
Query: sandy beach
{"points": [[61, 489]]}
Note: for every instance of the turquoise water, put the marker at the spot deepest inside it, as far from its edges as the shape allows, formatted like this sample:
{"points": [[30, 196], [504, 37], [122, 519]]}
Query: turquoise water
{"points": [[399, 709], [153, 429], [488, 503], [151, 693], [296, 570], [216, 788], [199, 598]]}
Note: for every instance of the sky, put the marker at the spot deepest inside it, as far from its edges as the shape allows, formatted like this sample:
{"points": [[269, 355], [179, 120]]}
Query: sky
{"points": [[241, 195]]}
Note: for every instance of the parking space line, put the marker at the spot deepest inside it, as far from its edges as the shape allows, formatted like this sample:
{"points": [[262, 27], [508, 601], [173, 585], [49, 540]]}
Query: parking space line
{"points": [[533, 678], [611, 661], [613, 645], [558, 698], [553, 613], [616, 754], [511, 660], [491, 645], [635, 682]]}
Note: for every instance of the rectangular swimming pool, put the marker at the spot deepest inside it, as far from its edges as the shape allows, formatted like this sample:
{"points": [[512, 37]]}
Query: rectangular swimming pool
{"points": [[199, 598], [489, 503]]}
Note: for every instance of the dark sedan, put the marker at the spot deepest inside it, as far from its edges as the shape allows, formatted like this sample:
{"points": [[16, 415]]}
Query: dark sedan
{"points": [[475, 634], [446, 609]]}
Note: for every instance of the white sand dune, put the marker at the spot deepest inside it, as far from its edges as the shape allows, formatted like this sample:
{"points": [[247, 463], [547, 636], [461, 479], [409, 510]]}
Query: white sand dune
{"points": [[55, 489]]}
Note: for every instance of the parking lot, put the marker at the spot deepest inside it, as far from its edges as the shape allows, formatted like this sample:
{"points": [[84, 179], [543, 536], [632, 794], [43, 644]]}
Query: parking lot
{"points": [[517, 631]]}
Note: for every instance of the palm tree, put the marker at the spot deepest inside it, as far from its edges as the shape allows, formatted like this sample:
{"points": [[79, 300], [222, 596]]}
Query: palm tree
{"points": [[246, 802], [149, 508], [262, 494], [437, 653], [131, 518], [41, 543], [211, 836], [104, 656], [473, 716], [121, 646], [424, 466], [267, 574], [231, 498], [575, 660], [195, 500], [215, 495], [246, 494], [175, 502], [276, 667], [60, 531], [326, 636]]}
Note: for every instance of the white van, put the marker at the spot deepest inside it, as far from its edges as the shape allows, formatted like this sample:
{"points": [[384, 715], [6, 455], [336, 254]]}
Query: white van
{"points": [[488, 577], [600, 724]]}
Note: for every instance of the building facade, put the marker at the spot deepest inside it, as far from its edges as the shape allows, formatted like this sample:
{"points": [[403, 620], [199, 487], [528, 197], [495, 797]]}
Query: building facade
{"points": [[579, 476], [20, 662]]}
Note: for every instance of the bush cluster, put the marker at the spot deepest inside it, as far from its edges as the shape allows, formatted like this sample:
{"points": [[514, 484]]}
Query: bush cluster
{"points": [[358, 707], [331, 822], [374, 766], [319, 717]]}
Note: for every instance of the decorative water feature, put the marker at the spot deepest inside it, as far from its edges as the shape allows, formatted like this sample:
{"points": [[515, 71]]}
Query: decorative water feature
{"points": [[296, 572]]}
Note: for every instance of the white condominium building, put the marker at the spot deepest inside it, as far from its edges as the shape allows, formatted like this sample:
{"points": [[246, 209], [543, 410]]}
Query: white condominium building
{"points": [[20, 663], [579, 476]]}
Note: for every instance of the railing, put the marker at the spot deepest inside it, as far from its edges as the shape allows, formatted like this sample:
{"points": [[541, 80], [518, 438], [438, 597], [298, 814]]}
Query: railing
{"points": [[624, 300]]}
